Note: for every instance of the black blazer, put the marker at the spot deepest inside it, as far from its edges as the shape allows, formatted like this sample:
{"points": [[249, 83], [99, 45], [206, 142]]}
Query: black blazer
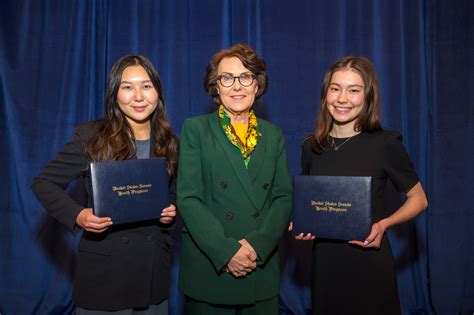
{"points": [[127, 266]]}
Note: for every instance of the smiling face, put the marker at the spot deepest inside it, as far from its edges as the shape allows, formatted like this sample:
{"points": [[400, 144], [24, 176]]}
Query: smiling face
{"points": [[236, 99], [345, 97], [137, 97]]}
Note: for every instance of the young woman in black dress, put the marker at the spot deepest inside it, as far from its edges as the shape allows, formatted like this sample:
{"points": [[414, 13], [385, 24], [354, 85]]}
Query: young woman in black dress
{"points": [[358, 277]]}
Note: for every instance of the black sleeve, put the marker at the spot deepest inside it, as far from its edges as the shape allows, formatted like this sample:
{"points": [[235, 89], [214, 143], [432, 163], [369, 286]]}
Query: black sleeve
{"points": [[306, 153], [398, 166], [172, 190], [172, 197], [173, 181], [50, 184]]}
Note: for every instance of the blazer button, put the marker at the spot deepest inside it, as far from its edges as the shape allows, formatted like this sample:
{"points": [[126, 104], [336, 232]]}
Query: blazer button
{"points": [[125, 240], [256, 215], [224, 184], [266, 186], [230, 215], [151, 238]]}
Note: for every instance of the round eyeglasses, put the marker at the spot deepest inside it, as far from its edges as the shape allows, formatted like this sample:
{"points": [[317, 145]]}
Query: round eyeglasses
{"points": [[227, 79]]}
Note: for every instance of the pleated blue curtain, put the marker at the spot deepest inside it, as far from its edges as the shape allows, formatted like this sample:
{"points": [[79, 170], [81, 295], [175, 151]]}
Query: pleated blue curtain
{"points": [[451, 177], [55, 57]]}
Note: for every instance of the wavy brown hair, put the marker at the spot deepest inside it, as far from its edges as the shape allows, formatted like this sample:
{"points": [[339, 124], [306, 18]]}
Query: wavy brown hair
{"points": [[114, 139], [369, 118], [249, 59]]}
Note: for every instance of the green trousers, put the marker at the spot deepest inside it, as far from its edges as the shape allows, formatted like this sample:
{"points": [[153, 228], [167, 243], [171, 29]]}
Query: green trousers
{"points": [[266, 307]]}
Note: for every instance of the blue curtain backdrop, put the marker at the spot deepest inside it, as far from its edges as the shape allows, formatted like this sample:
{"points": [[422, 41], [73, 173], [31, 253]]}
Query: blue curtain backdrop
{"points": [[55, 56]]}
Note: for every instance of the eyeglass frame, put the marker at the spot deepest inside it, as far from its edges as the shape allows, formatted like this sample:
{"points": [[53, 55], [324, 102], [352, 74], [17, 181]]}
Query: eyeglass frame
{"points": [[253, 76]]}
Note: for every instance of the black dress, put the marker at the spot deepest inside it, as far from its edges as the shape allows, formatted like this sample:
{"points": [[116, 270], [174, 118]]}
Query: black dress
{"points": [[348, 279]]}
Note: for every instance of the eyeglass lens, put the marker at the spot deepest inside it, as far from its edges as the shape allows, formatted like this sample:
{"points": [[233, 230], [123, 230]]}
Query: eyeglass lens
{"points": [[245, 79]]}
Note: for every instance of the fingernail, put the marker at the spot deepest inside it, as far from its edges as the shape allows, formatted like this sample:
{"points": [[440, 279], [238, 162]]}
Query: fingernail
{"points": [[366, 243]]}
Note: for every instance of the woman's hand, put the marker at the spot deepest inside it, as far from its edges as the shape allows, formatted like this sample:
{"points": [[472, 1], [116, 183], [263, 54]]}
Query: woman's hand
{"points": [[290, 228], [254, 255], [233, 265], [301, 236], [375, 237], [168, 214], [89, 222], [307, 237], [414, 204], [243, 262]]}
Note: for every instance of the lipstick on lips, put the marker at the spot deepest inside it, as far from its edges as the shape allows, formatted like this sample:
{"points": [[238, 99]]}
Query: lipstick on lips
{"points": [[139, 108], [237, 97]]}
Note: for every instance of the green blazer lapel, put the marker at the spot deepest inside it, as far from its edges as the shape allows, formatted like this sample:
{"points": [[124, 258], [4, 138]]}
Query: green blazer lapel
{"points": [[234, 157], [258, 155]]}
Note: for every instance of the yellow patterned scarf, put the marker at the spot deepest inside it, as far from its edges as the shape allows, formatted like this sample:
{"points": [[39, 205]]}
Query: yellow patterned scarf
{"points": [[250, 139]]}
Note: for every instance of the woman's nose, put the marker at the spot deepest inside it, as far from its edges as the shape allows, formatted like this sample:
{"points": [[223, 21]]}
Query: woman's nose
{"points": [[138, 96], [237, 86], [342, 98]]}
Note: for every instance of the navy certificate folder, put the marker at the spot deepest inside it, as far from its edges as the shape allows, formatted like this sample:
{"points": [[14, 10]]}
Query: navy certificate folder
{"points": [[334, 207], [129, 190]]}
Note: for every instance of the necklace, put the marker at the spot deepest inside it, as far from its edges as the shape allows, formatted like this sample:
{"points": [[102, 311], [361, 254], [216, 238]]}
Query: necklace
{"points": [[336, 147]]}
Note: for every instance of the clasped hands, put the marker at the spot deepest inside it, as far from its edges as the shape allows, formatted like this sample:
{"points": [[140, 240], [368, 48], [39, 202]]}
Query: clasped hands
{"points": [[243, 262]]}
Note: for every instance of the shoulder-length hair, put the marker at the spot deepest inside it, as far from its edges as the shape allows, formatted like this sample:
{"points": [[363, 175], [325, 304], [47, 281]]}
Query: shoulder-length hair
{"points": [[114, 139], [369, 118], [249, 59]]}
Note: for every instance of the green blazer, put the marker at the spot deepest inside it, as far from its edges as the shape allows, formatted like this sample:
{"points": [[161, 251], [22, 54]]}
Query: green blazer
{"points": [[222, 202]]}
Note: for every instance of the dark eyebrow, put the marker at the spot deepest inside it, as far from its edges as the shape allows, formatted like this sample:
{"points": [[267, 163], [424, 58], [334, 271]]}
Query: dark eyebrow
{"points": [[231, 74], [130, 82], [352, 85]]}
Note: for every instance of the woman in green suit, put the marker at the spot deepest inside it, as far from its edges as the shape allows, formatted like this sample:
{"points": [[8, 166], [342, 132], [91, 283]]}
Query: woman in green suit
{"points": [[234, 194]]}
